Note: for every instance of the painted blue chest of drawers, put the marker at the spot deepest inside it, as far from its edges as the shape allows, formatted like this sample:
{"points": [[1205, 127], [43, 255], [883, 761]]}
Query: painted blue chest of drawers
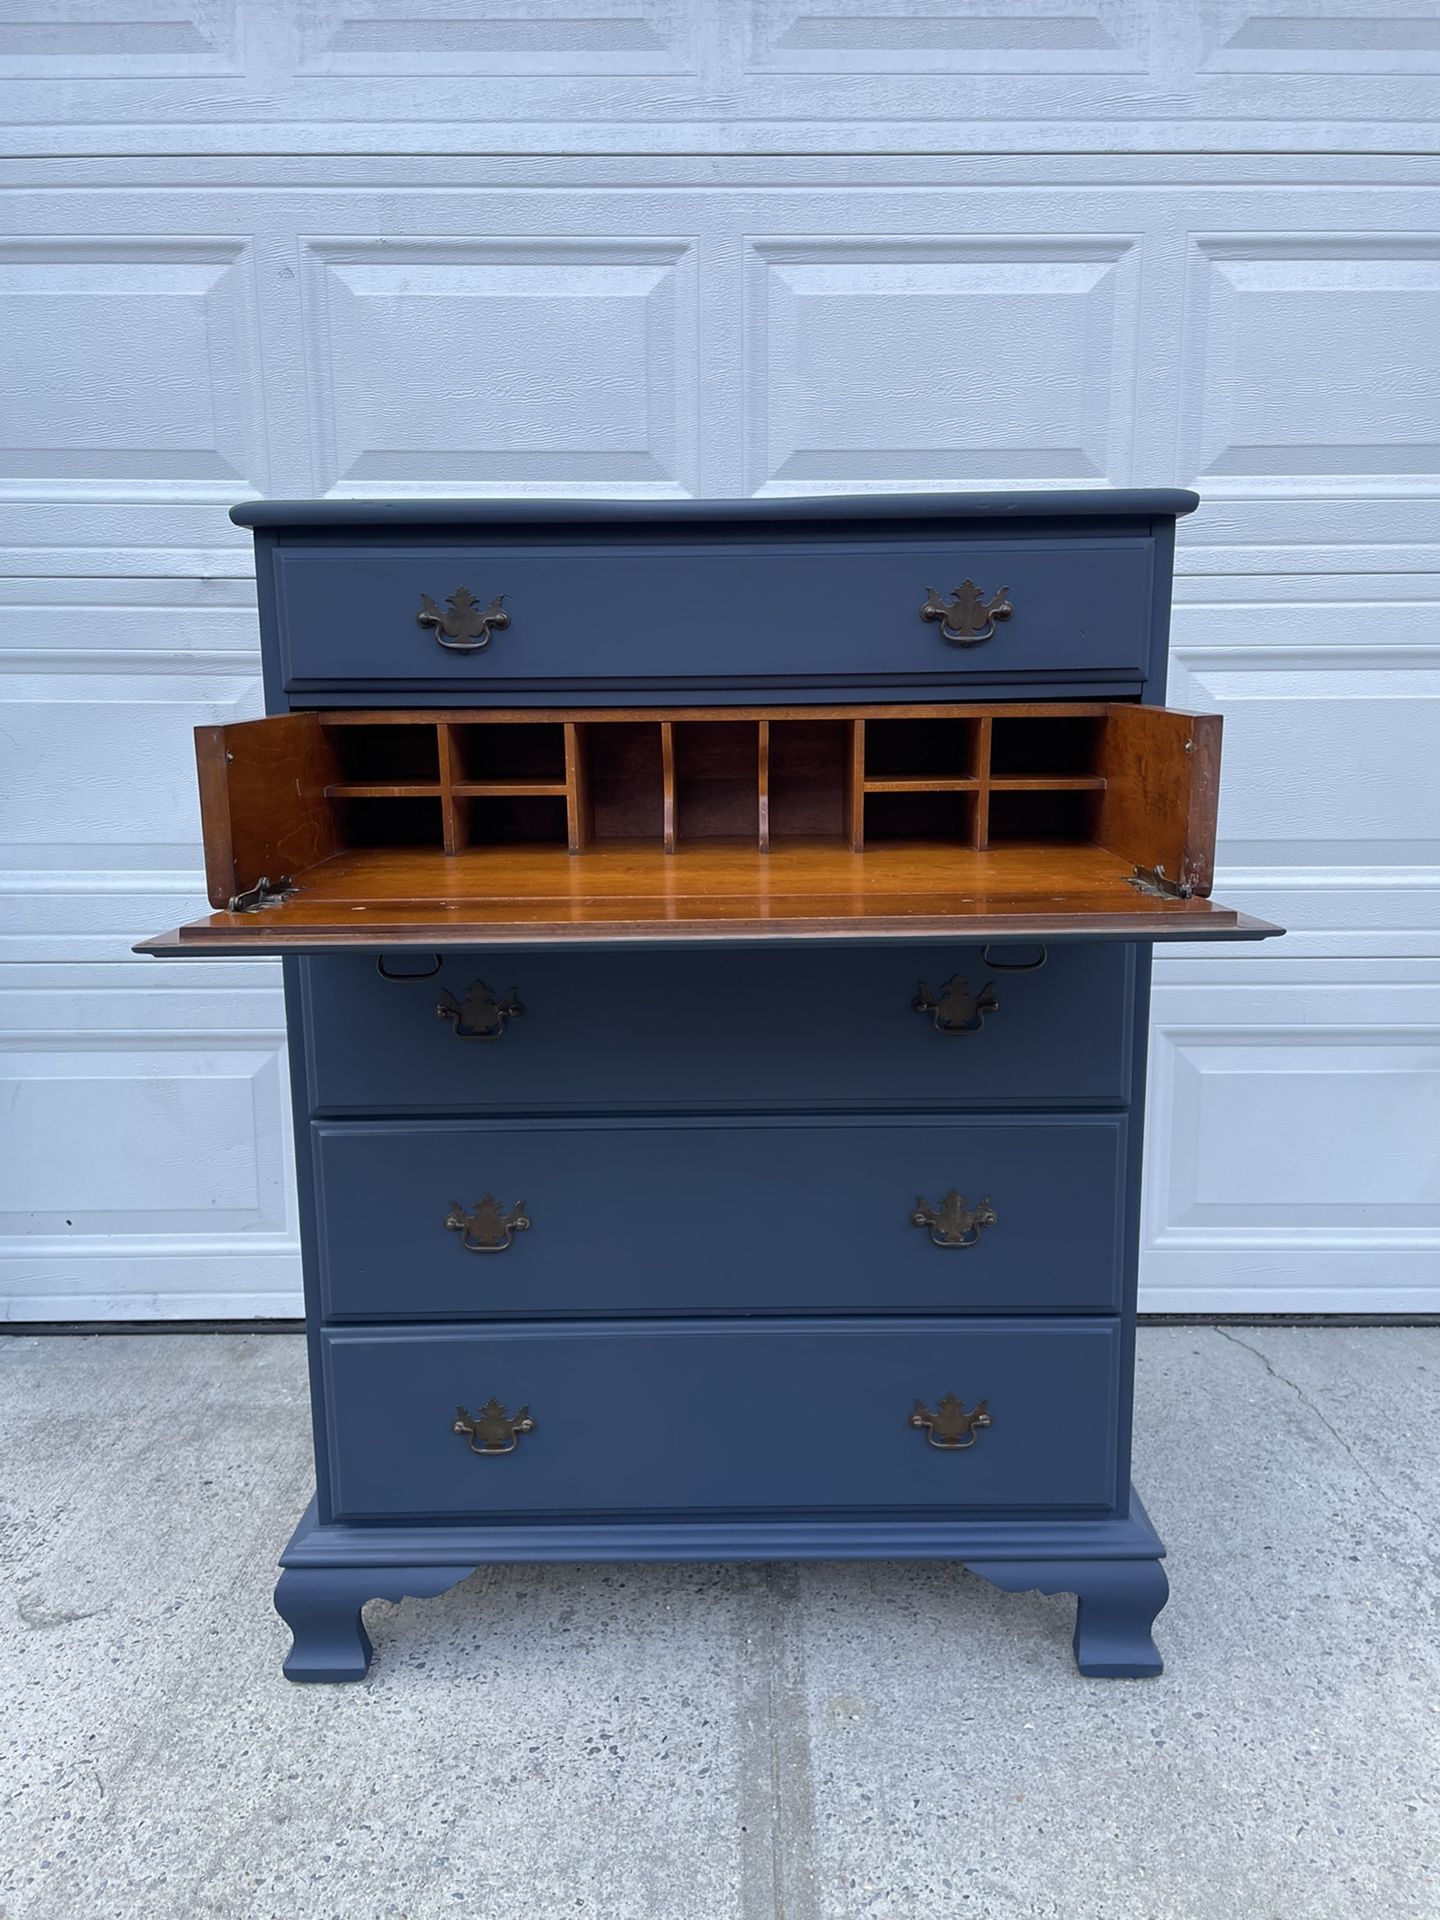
{"points": [[784, 1210]]}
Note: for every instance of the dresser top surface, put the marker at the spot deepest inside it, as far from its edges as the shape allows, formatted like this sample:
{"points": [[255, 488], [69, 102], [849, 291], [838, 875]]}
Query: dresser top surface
{"points": [[1080, 503]]}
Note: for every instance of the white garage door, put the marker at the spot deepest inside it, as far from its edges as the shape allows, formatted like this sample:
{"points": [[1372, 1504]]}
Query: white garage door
{"points": [[674, 247]]}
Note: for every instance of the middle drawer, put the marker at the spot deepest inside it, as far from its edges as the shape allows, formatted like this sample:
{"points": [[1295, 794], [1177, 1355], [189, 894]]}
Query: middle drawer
{"points": [[490, 1219]]}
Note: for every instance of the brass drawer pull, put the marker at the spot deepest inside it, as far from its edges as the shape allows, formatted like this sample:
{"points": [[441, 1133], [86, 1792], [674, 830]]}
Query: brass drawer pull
{"points": [[494, 1429], [953, 1223], [969, 617], [950, 1427], [955, 1009], [487, 1228], [484, 1016], [464, 627]]}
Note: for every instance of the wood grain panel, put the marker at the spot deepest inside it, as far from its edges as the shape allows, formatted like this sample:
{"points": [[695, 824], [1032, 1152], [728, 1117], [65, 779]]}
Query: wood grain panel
{"points": [[262, 801], [1138, 791], [1162, 785], [392, 896]]}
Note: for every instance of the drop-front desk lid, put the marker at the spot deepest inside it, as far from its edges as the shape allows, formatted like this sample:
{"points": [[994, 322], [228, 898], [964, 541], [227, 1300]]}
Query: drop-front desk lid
{"points": [[466, 827], [718, 895]]}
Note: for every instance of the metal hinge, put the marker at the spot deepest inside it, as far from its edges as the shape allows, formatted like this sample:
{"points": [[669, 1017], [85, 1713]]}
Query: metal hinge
{"points": [[264, 893], [1156, 881]]}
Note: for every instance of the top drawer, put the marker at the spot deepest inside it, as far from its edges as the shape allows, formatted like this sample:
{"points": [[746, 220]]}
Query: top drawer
{"points": [[667, 614]]}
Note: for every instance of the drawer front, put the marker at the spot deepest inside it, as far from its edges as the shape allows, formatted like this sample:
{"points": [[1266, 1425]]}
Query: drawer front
{"points": [[745, 1216], [660, 614], [719, 1416], [713, 1029]]}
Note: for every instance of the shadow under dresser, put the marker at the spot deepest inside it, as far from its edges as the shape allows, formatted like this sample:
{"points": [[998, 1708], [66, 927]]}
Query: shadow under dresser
{"points": [[716, 941]]}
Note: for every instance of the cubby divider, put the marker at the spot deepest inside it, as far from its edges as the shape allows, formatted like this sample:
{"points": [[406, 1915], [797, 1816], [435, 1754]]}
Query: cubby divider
{"points": [[855, 787], [667, 785], [579, 814], [762, 785], [971, 776], [454, 813], [984, 743]]}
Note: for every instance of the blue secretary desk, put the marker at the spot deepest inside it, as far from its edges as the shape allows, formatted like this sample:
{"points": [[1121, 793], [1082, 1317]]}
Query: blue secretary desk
{"points": [[717, 942]]}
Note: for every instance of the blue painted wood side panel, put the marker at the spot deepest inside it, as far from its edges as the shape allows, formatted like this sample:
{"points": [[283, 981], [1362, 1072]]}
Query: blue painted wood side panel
{"points": [[692, 1217], [718, 1416], [307, 1221], [1133, 1199], [639, 613], [701, 1029]]}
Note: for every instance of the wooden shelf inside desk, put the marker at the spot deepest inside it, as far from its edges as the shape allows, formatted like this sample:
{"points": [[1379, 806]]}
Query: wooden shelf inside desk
{"points": [[435, 827]]}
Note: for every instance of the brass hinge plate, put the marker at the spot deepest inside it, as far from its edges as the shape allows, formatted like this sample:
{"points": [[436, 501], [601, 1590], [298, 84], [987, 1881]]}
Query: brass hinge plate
{"points": [[1156, 882], [264, 893]]}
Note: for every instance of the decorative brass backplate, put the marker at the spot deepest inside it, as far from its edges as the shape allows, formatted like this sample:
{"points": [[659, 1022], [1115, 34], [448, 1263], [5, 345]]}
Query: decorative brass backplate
{"points": [[955, 1009], [487, 1228], [954, 1223], [950, 1427], [484, 1015], [969, 618], [464, 627], [492, 1427]]}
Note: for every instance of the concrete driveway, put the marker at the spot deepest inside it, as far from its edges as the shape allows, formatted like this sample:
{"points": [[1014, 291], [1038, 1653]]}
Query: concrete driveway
{"points": [[696, 1743]]}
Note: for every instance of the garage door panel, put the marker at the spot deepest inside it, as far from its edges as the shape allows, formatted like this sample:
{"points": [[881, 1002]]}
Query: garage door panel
{"points": [[1011, 331], [923, 327], [1309, 362], [709, 76], [589, 348], [147, 1173], [1291, 1147]]}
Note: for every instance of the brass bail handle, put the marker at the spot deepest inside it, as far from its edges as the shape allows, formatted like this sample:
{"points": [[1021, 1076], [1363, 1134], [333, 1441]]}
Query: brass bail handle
{"points": [[954, 1223], [967, 617], [951, 1428], [484, 1014], [487, 1227], [464, 626], [955, 1008], [492, 1431]]}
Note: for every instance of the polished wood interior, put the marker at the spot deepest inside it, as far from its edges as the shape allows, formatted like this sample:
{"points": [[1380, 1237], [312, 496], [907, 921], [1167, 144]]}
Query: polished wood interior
{"points": [[410, 824], [632, 890], [971, 776]]}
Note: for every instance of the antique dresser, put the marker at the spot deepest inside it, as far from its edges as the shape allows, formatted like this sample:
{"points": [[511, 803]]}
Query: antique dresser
{"points": [[717, 944]]}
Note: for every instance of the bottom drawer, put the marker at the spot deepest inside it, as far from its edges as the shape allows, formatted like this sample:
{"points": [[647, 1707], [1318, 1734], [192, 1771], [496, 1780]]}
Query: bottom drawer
{"points": [[657, 1416]]}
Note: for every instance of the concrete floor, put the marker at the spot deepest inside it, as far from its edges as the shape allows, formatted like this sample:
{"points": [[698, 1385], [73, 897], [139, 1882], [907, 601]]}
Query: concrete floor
{"points": [[697, 1743]]}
